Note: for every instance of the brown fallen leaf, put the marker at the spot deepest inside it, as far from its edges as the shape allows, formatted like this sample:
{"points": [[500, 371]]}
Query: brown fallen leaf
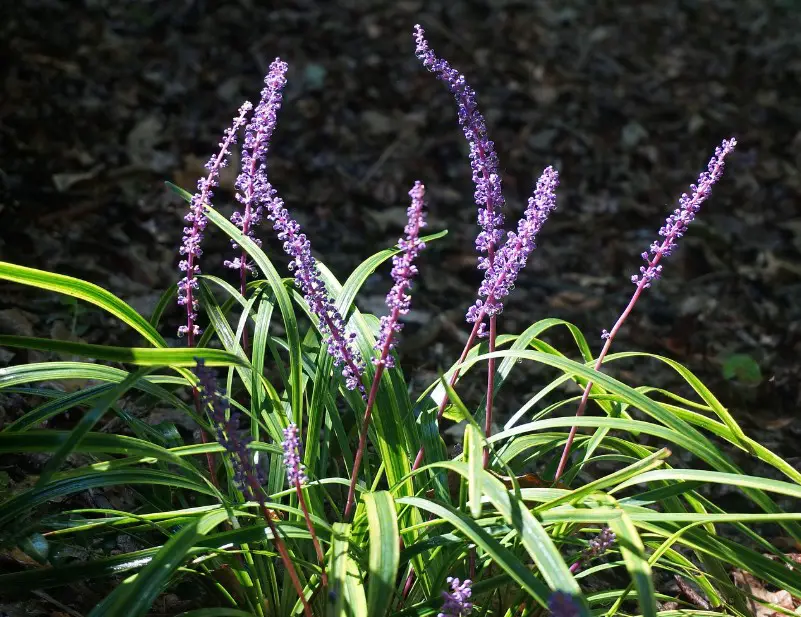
{"points": [[756, 588]]}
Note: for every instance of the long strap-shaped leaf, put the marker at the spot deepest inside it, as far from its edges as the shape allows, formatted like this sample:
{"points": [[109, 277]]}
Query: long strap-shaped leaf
{"points": [[87, 422], [347, 588], [134, 596], [141, 356], [384, 556], [83, 290]]}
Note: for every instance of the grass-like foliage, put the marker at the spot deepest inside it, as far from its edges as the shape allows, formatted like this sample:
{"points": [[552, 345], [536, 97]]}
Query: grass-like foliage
{"points": [[320, 483]]}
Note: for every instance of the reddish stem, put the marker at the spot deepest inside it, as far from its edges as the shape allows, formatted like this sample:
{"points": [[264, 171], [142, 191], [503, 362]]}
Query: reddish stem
{"points": [[318, 549], [490, 387], [586, 394], [379, 371], [290, 567], [444, 403], [204, 439]]}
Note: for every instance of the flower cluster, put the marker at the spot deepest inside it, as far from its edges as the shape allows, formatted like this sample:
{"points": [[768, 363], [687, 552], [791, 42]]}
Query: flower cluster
{"points": [[483, 159], [403, 269], [340, 344], [193, 234], [677, 223], [251, 184], [457, 602], [226, 422], [563, 604], [500, 277], [295, 469], [597, 547]]}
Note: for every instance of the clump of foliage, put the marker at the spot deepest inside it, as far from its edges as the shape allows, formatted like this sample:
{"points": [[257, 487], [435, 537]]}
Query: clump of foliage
{"points": [[322, 486]]}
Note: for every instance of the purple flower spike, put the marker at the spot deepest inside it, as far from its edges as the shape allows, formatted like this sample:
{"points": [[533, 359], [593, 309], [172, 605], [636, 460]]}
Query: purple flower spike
{"points": [[456, 603], [563, 604], [403, 269], [341, 345], [226, 422], [677, 223], [483, 159], [251, 185], [295, 470], [193, 234], [500, 277]]}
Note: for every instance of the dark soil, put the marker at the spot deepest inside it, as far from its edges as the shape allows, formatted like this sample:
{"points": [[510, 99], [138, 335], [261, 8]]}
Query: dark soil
{"points": [[103, 100]]}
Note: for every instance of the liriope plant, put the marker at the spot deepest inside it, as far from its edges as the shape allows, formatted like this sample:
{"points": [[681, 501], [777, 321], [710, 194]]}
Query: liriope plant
{"points": [[321, 485]]}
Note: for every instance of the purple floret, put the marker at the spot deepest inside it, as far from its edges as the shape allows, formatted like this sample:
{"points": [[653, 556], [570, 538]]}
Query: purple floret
{"points": [[456, 603], [499, 279]]}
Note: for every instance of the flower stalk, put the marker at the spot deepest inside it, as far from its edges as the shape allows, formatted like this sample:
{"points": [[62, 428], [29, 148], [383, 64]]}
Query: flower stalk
{"points": [[399, 302], [246, 475], [251, 182], [500, 277], [190, 248], [296, 476], [674, 228]]}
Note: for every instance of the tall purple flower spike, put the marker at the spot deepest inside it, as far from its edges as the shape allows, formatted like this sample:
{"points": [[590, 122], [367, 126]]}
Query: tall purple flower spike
{"points": [[457, 602], [193, 234], [403, 269], [483, 159], [340, 344], [499, 278], [295, 470], [246, 474], [677, 223], [674, 228], [251, 184]]}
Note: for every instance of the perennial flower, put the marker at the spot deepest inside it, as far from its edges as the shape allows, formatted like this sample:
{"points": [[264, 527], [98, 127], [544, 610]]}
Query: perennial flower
{"points": [[226, 423], [597, 547], [295, 469], [563, 604], [193, 234], [483, 159], [501, 275], [677, 223], [251, 184], [403, 269], [341, 345]]}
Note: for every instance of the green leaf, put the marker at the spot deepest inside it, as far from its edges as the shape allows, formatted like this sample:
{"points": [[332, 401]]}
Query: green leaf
{"points": [[473, 440], [344, 579], [532, 535], [22, 503], [87, 422], [384, 555], [742, 367], [134, 596], [141, 356], [633, 551], [502, 556], [282, 298], [85, 291]]}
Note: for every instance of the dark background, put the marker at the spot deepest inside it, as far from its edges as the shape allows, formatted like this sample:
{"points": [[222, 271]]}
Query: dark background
{"points": [[104, 100]]}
